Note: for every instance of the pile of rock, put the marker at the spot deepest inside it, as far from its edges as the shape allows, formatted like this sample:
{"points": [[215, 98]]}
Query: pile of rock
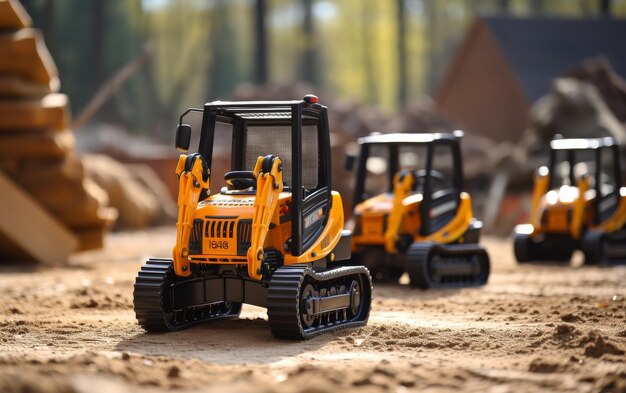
{"points": [[36, 144]]}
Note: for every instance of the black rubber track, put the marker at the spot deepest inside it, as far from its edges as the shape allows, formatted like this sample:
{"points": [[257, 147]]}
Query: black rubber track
{"points": [[522, 248], [592, 247], [548, 249], [605, 249], [152, 301], [284, 299], [419, 261], [381, 266]]}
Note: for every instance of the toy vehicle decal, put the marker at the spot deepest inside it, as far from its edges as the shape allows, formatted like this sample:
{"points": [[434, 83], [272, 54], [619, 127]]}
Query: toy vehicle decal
{"points": [[443, 208], [314, 217]]}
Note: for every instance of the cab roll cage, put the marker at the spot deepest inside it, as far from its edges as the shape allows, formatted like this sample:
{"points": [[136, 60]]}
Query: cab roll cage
{"points": [[294, 113]]}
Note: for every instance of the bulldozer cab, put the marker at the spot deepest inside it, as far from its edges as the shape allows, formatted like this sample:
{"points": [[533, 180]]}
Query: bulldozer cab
{"points": [[296, 132], [596, 158], [433, 159]]}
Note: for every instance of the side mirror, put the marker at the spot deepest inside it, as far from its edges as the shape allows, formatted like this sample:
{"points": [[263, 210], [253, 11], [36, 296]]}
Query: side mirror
{"points": [[183, 137], [350, 160]]}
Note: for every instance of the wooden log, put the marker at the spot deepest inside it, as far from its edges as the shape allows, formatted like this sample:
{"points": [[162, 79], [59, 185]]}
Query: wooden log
{"points": [[89, 209], [13, 16], [31, 228], [152, 184], [49, 113], [69, 211], [90, 238], [77, 203], [47, 145], [100, 217], [55, 181], [12, 86], [62, 199], [63, 196], [95, 191], [137, 206], [13, 166], [39, 171], [11, 252], [8, 164], [24, 54]]}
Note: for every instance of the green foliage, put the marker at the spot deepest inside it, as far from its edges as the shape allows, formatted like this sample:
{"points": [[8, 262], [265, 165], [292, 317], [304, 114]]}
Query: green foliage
{"points": [[203, 49]]}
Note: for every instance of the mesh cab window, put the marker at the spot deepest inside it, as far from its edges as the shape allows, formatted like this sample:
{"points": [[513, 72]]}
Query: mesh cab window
{"points": [[607, 181], [443, 164], [570, 165], [222, 155], [377, 167], [263, 140], [412, 157]]}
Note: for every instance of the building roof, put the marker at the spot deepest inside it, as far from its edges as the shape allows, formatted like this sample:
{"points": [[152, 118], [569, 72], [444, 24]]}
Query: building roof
{"points": [[540, 49]]}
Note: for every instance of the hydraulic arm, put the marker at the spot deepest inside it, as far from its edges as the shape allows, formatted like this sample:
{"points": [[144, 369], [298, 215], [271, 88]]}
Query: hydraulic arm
{"points": [[403, 183], [269, 179], [578, 213], [190, 170], [540, 188]]}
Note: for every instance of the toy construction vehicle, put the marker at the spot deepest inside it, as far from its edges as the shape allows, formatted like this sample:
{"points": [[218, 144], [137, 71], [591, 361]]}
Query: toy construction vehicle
{"points": [[410, 213], [272, 237], [577, 203]]}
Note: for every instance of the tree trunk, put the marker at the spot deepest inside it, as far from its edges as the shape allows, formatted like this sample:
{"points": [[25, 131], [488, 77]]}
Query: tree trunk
{"points": [[49, 25], [536, 7], [505, 6], [402, 58], [221, 69], [432, 45], [99, 42], [605, 8], [260, 36], [309, 55], [368, 61]]}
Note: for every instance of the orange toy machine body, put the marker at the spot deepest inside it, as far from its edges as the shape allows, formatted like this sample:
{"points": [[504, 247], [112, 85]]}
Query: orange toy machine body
{"points": [[222, 229], [577, 203], [410, 213], [273, 237]]}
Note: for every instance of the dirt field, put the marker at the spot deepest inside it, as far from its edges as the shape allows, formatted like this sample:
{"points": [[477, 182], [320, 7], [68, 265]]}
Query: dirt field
{"points": [[532, 328]]}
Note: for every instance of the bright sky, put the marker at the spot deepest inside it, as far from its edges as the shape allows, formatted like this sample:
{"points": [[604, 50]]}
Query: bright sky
{"points": [[323, 10]]}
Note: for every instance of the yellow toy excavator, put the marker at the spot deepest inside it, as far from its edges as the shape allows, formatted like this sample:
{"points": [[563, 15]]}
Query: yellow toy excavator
{"points": [[577, 203], [272, 237], [411, 214]]}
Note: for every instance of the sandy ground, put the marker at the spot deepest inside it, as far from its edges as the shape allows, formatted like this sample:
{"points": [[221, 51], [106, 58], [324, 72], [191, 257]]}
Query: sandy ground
{"points": [[532, 328]]}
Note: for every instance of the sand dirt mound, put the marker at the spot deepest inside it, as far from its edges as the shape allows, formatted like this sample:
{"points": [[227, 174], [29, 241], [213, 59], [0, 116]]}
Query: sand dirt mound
{"points": [[533, 328]]}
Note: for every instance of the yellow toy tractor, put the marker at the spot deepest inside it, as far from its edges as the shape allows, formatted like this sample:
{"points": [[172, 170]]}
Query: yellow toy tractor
{"points": [[410, 213], [272, 237], [577, 203]]}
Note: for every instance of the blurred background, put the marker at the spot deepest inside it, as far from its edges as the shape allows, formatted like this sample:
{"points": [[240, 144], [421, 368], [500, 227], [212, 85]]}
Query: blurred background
{"points": [[91, 92]]}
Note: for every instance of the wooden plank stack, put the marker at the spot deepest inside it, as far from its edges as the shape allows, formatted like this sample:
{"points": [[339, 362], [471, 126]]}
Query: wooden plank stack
{"points": [[36, 144], [27, 230]]}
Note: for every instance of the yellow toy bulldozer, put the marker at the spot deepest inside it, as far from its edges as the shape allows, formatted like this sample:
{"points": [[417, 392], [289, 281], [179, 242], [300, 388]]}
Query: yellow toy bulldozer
{"points": [[411, 214], [577, 203], [273, 237]]}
